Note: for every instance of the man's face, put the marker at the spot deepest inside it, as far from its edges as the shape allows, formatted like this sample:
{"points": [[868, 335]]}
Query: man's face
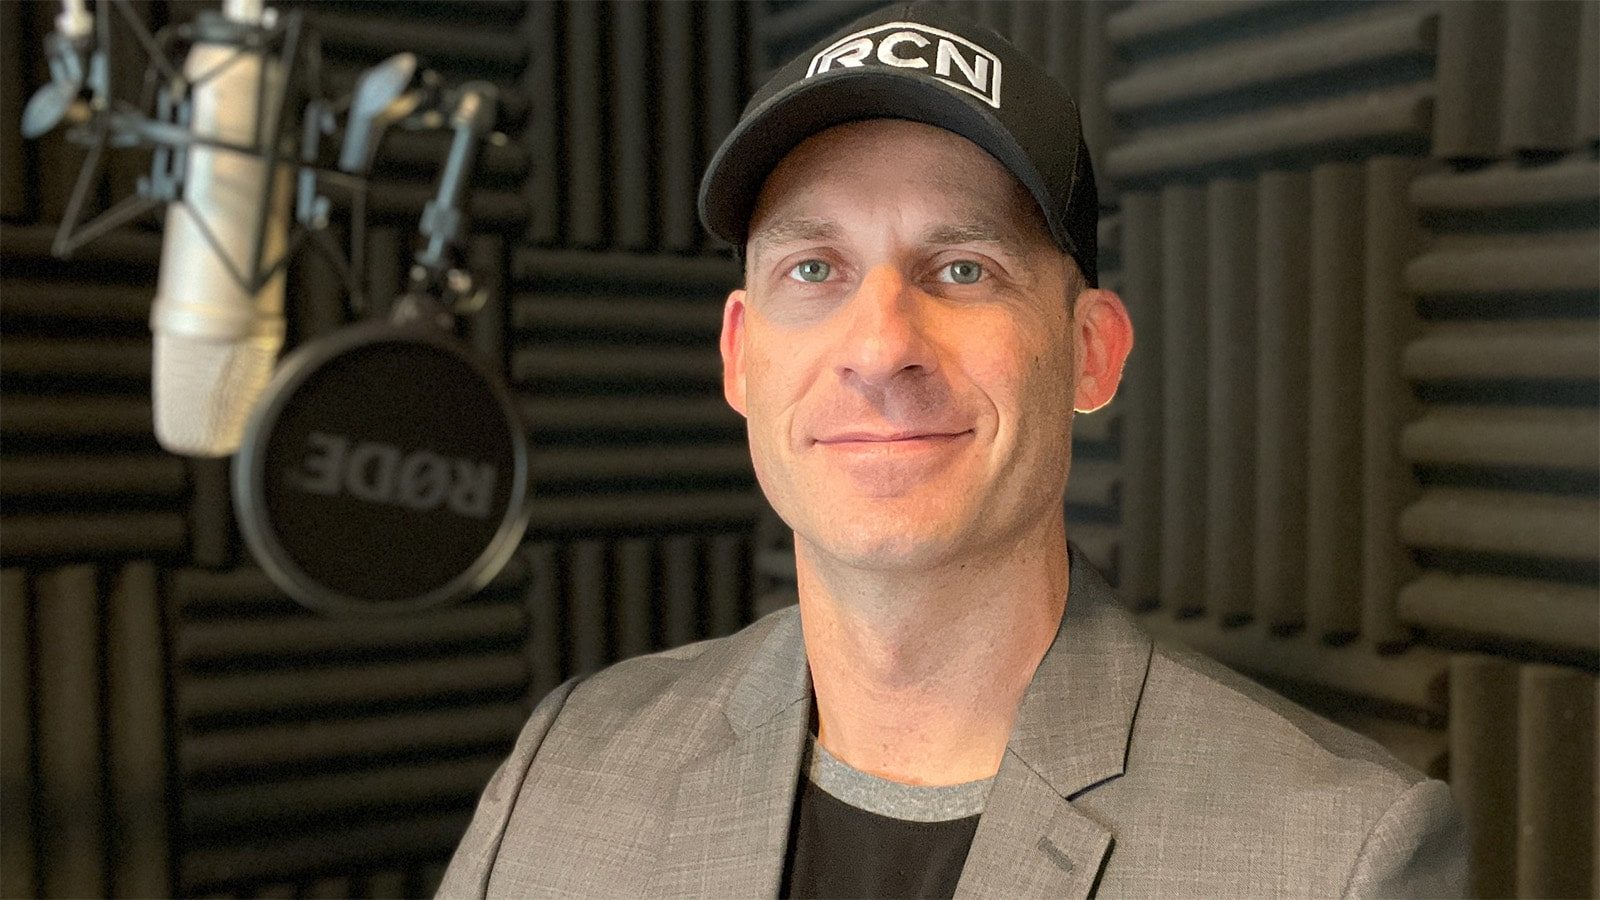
{"points": [[903, 348]]}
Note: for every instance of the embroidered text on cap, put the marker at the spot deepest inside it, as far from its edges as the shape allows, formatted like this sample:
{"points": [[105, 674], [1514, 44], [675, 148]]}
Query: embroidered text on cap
{"points": [[908, 45]]}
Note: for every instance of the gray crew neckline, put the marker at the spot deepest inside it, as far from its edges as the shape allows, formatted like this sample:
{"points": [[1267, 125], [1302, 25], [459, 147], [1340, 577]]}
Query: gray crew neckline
{"points": [[908, 802]]}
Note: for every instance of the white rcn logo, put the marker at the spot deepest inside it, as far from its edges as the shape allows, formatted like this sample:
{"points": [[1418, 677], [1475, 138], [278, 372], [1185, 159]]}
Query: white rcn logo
{"points": [[906, 45]]}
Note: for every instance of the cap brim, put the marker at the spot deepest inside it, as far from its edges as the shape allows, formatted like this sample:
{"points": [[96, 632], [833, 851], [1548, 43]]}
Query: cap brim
{"points": [[736, 174]]}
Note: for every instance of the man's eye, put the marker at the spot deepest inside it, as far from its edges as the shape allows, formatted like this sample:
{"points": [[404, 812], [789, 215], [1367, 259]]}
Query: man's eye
{"points": [[813, 270], [962, 271]]}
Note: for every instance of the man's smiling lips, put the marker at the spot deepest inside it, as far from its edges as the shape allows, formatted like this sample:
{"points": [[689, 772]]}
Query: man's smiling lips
{"points": [[890, 441]]}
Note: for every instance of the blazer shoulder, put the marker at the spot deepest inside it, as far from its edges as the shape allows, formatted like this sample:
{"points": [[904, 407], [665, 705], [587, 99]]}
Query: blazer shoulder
{"points": [[1254, 727], [1273, 798], [670, 687]]}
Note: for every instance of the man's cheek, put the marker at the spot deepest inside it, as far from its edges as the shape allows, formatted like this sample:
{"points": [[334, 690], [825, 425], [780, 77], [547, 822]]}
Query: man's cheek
{"points": [[763, 394], [770, 364], [1048, 372]]}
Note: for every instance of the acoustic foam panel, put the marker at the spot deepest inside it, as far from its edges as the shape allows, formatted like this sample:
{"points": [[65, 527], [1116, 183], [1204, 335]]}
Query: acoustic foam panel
{"points": [[284, 725]]}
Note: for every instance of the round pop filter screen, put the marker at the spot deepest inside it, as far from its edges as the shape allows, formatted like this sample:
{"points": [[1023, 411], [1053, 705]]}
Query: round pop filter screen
{"points": [[385, 470]]}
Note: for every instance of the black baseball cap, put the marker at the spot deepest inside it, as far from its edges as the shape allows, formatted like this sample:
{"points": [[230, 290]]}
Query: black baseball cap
{"points": [[923, 62]]}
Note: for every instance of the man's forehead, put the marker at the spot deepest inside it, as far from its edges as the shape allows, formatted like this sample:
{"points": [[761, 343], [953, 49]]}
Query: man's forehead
{"points": [[975, 198], [923, 153]]}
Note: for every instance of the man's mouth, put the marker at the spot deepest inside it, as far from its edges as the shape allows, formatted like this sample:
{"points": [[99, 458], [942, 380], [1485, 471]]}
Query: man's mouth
{"points": [[886, 439]]}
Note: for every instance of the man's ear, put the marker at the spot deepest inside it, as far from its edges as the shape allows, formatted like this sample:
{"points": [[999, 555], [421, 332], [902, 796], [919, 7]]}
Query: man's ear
{"points": [[732, 344], [1104, 336]]}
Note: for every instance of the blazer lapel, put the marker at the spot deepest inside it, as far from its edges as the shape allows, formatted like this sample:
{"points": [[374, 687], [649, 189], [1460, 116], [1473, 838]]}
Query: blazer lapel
{"points": [[1071, 734], [728, 828], [1031, 842]]}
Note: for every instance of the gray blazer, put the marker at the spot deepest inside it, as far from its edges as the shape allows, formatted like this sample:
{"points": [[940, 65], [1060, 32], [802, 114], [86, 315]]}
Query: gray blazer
{"points": [[1133, 770]]}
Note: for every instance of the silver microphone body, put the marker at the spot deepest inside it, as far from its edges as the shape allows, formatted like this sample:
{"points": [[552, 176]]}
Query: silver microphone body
{"points": [[215, 341]]}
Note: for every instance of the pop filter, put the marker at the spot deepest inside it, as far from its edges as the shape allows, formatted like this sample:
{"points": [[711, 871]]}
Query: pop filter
{"points": [[385, 470]]}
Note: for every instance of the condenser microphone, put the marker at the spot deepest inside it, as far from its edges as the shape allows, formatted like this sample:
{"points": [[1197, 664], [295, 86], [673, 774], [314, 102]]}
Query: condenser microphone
{"points": [[217, 331]]}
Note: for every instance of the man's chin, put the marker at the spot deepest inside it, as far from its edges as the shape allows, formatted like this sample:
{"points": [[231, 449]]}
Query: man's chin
{"points": [[884, 550]]}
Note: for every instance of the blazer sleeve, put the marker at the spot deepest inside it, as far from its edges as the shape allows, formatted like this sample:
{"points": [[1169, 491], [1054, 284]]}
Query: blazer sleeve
{"points": [[1418, 848], [468, 873]]}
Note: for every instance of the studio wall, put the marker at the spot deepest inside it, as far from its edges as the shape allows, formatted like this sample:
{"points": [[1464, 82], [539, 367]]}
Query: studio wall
{"points": [[175, 725]]}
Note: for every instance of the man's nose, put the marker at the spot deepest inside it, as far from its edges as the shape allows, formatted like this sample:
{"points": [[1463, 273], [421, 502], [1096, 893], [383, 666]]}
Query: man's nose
{"points": [[887, 330]]}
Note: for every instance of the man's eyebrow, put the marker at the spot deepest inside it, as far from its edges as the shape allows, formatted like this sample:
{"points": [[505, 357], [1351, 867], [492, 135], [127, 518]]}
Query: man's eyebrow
{"points": [[977, 231], [802, 228], [968, 233], [972, 230]]}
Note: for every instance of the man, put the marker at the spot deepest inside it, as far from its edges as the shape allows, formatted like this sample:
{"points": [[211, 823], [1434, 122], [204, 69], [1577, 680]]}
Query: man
{"points": [[957, 706]]}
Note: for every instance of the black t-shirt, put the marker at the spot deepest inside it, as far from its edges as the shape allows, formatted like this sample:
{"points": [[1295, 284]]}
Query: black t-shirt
{"points": [[855, 835], [837, 850]]}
